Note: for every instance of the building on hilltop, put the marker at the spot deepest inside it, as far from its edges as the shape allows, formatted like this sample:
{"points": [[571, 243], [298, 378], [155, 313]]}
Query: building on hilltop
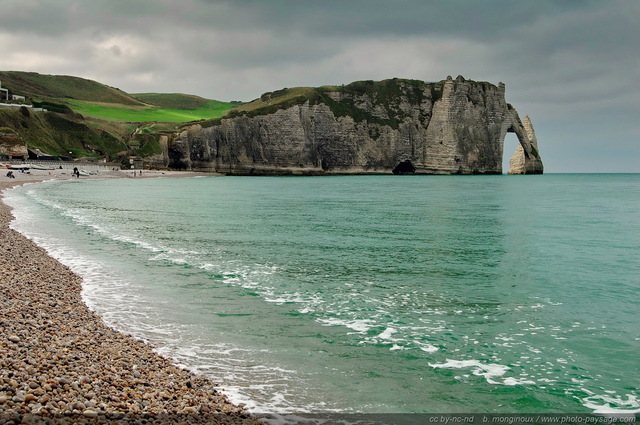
{"points": [[5, 97], [4, 93]]}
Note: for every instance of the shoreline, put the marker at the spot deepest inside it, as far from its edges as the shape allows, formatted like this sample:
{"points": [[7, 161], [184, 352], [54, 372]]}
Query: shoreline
{"points": [[60, 362]]}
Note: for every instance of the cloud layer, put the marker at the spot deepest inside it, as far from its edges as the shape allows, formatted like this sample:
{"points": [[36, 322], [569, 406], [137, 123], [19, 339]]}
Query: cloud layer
{"points": [[570, 65]]}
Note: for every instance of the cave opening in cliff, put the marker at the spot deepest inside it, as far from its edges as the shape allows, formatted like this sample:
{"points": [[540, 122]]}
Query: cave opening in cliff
{"points": [[404, 167], [511, 142]]}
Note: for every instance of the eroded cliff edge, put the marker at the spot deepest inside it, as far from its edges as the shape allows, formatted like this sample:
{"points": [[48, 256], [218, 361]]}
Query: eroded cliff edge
{"points": [[447, 127]]}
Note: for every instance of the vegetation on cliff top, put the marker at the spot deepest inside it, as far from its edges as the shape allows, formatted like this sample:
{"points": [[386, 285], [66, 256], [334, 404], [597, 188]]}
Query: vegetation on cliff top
{"points": [[345, 100], [173, 100], [148, 113]]}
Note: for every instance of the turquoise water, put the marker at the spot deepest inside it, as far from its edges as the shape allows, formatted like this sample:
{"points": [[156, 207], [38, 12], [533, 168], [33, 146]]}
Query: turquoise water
{"points": [[367, 293]]}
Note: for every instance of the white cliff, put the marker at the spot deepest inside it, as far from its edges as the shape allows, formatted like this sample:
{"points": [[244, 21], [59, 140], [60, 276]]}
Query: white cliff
{"points": [[448, 127]]}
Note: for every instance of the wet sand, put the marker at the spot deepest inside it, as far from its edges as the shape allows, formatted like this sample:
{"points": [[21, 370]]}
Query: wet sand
{"points": [[59, 363]]}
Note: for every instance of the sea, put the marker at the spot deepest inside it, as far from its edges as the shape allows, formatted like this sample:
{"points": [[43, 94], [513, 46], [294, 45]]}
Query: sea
{"points": [[366, 294]]}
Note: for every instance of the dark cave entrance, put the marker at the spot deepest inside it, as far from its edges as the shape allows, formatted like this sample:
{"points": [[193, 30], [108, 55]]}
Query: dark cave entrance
{"points": [[404, 167]]}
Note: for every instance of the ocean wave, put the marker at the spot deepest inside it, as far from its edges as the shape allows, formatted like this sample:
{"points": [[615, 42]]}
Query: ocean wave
{"points": [[607, 404], [489, 371], [358, 325]]}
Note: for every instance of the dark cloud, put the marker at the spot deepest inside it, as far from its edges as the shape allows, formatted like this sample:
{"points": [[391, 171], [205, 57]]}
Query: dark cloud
{"points": [[486, 19], [568, 64]]}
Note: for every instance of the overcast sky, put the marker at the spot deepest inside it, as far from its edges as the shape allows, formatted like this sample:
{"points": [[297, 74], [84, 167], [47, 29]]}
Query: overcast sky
{"points": [[573, 66]]}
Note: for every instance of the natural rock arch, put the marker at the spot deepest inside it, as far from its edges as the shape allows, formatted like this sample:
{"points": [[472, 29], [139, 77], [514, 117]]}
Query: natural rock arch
{"points": [[446, 127], [526, 158]]}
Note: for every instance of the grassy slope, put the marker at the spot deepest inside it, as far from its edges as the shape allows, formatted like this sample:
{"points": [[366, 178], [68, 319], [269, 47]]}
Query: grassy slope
{"points": [[93, 99], [209, 110], [172, 100], [101, 130], [52, 87], [59, 134], [278, 99], [384, 93]]}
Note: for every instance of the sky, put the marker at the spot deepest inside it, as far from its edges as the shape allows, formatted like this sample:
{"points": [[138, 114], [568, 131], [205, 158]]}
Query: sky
{"points": [[572, 66]]}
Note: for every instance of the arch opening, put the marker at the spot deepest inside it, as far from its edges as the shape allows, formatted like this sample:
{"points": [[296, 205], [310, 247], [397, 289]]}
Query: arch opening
{"points": [[510, 145]]}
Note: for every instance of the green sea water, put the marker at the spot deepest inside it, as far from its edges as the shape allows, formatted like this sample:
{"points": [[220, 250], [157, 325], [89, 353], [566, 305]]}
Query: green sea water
{"points": [[377, 294]]}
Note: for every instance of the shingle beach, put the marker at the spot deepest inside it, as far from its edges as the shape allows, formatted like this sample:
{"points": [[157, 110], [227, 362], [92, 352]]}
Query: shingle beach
{"points": [[59, 363]]}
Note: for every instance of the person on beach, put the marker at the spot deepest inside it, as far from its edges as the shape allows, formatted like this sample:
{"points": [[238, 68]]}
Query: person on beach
{"points": [[10, 175], [76, 172]]}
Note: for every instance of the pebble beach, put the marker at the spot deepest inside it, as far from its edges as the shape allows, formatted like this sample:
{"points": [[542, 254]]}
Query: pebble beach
{"points": [[59, 362]]}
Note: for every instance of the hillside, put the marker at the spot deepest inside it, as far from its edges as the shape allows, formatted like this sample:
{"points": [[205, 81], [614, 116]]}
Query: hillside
{"points": [[58, 87], [65, 134], [172, 100], [86, 118], [148, 113], [93, 99], [345, 100]]}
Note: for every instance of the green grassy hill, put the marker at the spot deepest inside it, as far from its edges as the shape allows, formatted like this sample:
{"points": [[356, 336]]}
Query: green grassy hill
{"points": [[56, 87], [148, 113], [88, 118], [172, 100], [92, 99]]}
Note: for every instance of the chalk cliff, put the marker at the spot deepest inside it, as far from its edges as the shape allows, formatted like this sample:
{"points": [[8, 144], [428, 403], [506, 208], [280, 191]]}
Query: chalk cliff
{"points": [[447, 127]]}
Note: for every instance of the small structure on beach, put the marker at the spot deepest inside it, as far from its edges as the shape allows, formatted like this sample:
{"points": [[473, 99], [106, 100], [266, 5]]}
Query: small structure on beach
{"points": [[136, 163], [37, 154]]}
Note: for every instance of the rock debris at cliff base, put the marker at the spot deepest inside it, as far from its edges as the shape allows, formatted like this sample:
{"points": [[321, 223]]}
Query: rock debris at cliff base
{"points": [[59, 363]]}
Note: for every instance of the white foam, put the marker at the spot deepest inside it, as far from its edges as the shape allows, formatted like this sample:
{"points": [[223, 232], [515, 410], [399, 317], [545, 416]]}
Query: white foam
{"points": [[606, 404], [490, 371], [516, 381], [358, 325], [81, 217], [386, 334], [294, 297], [426, 347], [397, 347]]}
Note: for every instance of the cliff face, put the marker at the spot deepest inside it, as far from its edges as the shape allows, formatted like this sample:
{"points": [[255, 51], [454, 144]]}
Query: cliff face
{"points": [[58, 134], [12, 145], [449, 127]]}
